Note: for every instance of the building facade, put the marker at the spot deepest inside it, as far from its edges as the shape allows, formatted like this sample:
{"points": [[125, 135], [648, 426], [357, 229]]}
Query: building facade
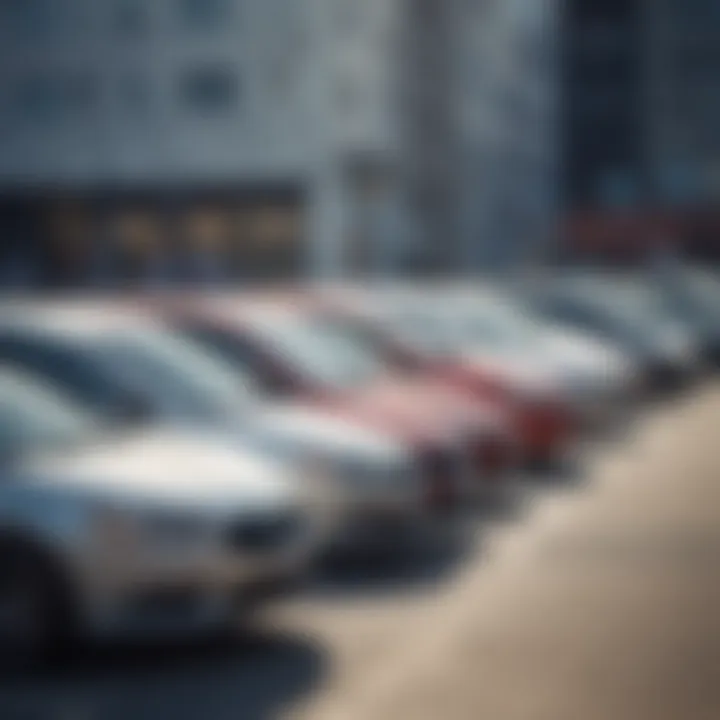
{"points": [[641, 155], [272, 138]]}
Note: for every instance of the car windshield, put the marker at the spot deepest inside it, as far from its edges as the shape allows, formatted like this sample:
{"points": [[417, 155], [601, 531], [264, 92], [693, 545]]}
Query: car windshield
{"points": [[630, 314], [36, 418], [425, 331], [496, 326], [322, 349], [176, 374], [639, 306], [699, 297]]}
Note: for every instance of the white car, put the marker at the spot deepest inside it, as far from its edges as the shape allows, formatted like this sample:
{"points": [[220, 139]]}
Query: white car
{"points": [[692, 296], [115, 361], [137, 534], [628, 314], [594, 377]]}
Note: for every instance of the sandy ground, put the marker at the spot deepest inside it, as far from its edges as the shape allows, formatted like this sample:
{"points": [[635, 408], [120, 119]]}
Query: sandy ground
{"points": [[603, 603], [599, 599]]}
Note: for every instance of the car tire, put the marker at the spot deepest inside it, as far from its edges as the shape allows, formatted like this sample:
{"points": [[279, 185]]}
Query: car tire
{"points": [[35, 619]]}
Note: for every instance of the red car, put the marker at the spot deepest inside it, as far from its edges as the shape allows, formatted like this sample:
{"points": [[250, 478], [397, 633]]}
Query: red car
{"points": [[465, 447], [544, 426]]}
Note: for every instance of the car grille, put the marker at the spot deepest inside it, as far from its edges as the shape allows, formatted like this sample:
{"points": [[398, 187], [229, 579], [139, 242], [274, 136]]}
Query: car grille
{"points": [[265, 534]]}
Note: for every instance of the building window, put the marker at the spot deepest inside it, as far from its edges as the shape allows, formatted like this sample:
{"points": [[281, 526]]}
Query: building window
{"points": [[131, 18], [43, 98], [134, 93], [210, 89], [31, 18], [78, 94], [36, 98], [204, 14]]}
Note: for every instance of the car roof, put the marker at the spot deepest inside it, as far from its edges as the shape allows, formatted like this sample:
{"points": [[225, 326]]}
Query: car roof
{"points": [[72, 319], [243, 310]]}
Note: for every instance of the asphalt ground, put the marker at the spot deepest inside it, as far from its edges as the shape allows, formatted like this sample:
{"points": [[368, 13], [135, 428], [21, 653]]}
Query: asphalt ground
{"points": [[596, 596]]}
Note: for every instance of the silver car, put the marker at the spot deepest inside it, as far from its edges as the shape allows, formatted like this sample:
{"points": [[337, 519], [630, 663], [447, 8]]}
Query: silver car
{"points": [[124, 365], [135, 534]]}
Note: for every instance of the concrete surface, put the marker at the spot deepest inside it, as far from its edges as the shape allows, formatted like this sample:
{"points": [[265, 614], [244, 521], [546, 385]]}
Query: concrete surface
{"points": [[600, 600]]}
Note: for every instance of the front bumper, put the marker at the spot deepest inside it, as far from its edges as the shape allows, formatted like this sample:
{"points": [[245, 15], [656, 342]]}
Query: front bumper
{"points": [[152, 595], [547, 431], [380, 527]]}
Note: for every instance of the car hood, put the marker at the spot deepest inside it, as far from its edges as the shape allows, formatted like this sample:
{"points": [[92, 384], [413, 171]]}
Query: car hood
{"points": [[315, 430], [577, 359], [529, 377], [419, 408], [559, 364], [166, 467]]}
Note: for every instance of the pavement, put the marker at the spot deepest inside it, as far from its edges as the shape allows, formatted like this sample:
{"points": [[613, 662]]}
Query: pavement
{"points": [[597, 598]]}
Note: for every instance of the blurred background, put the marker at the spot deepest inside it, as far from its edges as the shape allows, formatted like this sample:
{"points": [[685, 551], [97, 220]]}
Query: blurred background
{"points": [[225, 140], [454, 150], [229, 139]]}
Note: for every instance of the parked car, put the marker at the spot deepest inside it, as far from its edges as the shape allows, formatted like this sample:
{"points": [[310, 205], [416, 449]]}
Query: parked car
{"points": [[464, 450], [627, 315], [692, 296], [135, 534], [127, 365], [426, 337], [597, 381]]}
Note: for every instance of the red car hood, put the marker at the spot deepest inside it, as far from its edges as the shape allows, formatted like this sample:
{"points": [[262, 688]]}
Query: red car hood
{"points": [[419, 409], [504, 380]]}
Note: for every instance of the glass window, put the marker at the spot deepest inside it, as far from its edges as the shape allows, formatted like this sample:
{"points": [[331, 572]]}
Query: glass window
{"points": [[77, 93], [131, 17], [204, 14], [42, 97], [322, 350], [36, 98], [31, 18], [35, 418], [176, 374], [424, 332], [209, 89], [134, 93], [71, 370]]}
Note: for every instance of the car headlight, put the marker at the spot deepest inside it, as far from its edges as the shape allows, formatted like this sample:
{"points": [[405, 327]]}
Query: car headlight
{"points": [[118, 531], [172, 531], [340, 479], [112, 531], [320, 483]]}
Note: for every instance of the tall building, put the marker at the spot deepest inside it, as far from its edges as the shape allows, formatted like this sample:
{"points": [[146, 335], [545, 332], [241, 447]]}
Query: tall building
{"points": [[641, 154], [286, 137], [683, 66]]}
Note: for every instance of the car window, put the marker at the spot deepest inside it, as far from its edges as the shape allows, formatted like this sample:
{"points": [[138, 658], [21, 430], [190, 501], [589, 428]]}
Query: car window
{"points": [[424, 332], [323, 350], [496, 328], [233, 348], [175, 373], [72, 370], [34, 418]]}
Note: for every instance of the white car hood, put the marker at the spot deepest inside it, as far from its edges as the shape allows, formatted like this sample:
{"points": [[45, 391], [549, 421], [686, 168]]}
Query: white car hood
{"points": [[531, 376], [167, 467], [579, 357], [298, 429]]}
